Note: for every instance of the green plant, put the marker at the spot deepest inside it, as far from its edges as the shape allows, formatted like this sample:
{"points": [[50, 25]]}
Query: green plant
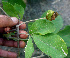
{"points": [[45, 32]]}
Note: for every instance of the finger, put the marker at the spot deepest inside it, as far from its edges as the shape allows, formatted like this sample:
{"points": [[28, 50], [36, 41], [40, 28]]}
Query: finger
{"points": [[7, 54], [11, 43], [6, 21], [7, 29], [23, 26], [23, 35]]}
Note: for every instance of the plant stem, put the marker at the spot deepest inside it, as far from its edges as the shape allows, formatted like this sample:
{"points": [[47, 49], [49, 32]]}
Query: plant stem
{"points": [[17, 27], [4, 12], [31, 21]]}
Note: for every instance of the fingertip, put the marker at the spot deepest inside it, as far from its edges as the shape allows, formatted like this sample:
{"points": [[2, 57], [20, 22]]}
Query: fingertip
{"points": [[22, 44], [23, 26], [15, 20], [6, 21], [23, 35], [11, 43]]}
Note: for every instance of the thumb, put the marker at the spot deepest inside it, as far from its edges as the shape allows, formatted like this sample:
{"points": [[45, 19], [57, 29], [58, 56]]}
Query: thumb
{"points": [[6, 21]]}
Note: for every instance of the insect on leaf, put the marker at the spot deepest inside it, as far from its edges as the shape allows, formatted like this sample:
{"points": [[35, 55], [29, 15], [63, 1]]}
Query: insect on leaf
{"points": [[58, 22], [49, 14]]}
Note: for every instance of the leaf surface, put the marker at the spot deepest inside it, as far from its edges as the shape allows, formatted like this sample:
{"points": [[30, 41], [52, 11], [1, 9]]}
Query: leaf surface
{"points": [[58, 22], [20, 10], [29, 48], [5, 0], [42, 27], [65, 34], [51, 44], [19, 2], [68, 56], [9, 9], [29, 25]]}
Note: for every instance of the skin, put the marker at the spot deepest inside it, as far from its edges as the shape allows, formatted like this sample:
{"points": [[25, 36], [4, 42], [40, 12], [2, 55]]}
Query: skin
{"points": [[6, 24]]}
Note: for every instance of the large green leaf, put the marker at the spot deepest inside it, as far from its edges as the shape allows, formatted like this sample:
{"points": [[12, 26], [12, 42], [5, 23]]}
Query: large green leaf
{"points": [[58, 22], [20, 10], [65, 34], [9, 9], [19, 2], [68, 56], [42, 27], [29, 25], [51, 44], [29, 48]]}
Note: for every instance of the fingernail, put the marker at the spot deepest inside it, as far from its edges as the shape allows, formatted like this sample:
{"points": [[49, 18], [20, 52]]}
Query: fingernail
{"points": [[14, 19]]}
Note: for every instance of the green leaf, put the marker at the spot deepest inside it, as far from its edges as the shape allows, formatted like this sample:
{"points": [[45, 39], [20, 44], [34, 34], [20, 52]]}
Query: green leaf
{"points": [[5, 0], [29, 48], [8, 35], [58, 22], [19, 2], [51, 44], [9, 9], [68, 56], [29, 25], [42, 27], [65, 34], [20, 10]]}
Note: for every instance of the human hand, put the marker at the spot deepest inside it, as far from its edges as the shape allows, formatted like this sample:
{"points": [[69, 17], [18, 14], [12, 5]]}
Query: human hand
{"points": [[5, 25]]}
